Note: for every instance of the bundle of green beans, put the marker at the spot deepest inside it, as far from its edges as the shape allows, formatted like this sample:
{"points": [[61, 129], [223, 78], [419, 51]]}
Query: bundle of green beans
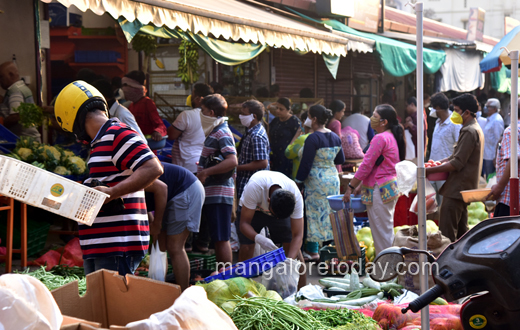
{"points": [[59, 276], [344, 319], [258, 313]]}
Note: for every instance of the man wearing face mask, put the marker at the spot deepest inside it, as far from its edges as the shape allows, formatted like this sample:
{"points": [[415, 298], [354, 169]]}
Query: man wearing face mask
{"points": [[253, 150], [493, 133], [118, 239], [464, 165]]}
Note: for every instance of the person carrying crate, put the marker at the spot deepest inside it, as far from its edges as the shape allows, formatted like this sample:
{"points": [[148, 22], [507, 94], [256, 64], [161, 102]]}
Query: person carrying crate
{"points": [[118, 239]]}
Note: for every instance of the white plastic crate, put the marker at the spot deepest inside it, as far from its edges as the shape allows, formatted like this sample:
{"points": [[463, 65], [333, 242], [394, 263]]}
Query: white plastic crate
{"points": [[40, 188]]}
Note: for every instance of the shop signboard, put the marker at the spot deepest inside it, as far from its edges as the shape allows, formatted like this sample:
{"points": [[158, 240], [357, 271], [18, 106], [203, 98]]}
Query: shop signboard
{"points": [[366, 15], [476, 24]]}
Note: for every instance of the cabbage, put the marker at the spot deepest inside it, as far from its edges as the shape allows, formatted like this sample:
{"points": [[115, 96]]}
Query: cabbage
{"points": [[229, 307], [273, 295], [218, 292]]}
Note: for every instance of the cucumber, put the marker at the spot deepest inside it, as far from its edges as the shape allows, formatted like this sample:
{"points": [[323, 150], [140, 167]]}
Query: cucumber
{"points": [[338, 279], [335, 288], [388, 286], [362, 301], [329, 284], [354, 281], [370, 283]]}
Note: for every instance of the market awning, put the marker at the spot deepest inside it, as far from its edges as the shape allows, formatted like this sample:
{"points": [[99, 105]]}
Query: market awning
{"points": [[397, 58], [227, 19]]}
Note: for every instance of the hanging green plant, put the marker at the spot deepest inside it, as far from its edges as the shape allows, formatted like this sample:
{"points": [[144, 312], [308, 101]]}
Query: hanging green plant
{"points": [[188, 62], [145, 43]]}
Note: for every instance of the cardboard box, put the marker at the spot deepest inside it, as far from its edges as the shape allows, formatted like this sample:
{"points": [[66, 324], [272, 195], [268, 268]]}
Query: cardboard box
{"points": [[112, 301]]}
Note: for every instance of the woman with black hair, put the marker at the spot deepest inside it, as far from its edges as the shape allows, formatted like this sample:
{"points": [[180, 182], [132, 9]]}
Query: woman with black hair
{"points": [[321, 152], [281, 131], [338, 111], [376, 176]]}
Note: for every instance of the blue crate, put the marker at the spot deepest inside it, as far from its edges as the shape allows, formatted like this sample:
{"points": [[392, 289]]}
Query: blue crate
{"points": [[252, 267], [96, 56], [10, 137], [361, 221], [165, 154]]}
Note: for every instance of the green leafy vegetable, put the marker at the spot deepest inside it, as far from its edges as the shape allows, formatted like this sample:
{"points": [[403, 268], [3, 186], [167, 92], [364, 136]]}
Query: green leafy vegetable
{"points": [[346, 319], [30, 114]]}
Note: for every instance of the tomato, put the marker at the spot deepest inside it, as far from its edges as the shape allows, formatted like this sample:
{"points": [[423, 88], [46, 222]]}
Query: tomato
{"points": [[431, 161]]}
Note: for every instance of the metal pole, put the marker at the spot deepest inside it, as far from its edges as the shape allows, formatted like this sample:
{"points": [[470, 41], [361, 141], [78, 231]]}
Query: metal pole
{"points": [[514, 133], [421, 193]]}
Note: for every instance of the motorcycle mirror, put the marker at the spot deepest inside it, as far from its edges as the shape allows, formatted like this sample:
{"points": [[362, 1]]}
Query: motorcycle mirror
{"points": [[387, 264]]}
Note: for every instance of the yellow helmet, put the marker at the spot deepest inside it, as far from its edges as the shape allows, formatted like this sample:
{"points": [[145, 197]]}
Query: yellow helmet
{"points": [[73, 99]]}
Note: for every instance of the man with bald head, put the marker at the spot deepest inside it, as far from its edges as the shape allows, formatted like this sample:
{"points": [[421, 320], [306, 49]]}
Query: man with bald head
{"points": [[492, 134], [501, 191], [16, 93]]}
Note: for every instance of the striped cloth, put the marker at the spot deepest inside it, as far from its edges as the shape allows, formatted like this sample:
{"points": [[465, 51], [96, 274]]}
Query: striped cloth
{"points": [[117, 151], [219, 140]]}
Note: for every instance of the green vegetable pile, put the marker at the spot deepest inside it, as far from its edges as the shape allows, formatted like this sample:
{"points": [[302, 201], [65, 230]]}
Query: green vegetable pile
{"points": [[31, 115], [50, 158], [476, 213], [268, 314], [344, 319], [59, 276]]}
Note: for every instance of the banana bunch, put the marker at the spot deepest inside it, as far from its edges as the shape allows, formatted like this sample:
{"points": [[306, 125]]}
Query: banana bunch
{"points": [[188, 62], [145, 43]]}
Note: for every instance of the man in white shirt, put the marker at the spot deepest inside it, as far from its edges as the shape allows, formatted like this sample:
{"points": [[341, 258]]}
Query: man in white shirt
{"points": [[492, 134], [360, 123], [15, 93], [445, 135], [116, 109], [187, 131], [270, 199]]}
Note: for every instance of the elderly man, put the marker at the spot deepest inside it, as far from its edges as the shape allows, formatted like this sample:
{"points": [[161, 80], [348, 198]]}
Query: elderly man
{"points": [[464, 166], [492, 133], [16, 93], [502, 190]]}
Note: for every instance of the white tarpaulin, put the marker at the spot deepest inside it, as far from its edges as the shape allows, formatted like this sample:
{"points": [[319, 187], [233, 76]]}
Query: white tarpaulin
{"points": [[461, 71]]}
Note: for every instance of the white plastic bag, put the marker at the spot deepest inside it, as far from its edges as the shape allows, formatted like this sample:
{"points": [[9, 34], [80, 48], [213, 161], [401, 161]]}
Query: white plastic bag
{"points": [[283, 278], [431, 200], [25, 303], [158, 263], [191, 311], [258, 249], [406, 176]]}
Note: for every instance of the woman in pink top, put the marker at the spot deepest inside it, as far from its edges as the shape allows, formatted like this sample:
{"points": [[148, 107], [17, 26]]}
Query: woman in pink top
{"points": [[338, 111], [376, 176]]}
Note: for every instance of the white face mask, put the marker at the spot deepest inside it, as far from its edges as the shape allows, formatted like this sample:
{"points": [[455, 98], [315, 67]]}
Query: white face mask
{"points": [[246, 120], [433, 113], [308, 122]]}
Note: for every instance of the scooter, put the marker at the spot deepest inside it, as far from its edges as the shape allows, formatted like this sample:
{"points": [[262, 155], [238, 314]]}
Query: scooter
{"points": [[483, 264]]}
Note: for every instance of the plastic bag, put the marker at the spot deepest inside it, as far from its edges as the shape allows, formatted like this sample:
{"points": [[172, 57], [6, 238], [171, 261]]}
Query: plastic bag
{"points": [[158, 263], [258, 249], [431, 200], [25, 303], [283, 278], [406, 176], [191, 311]]}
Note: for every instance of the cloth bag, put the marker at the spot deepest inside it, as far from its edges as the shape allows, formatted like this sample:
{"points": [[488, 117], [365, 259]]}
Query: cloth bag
{"points": [[345, 239], [409, 237], [158, 263], [350, 144]]}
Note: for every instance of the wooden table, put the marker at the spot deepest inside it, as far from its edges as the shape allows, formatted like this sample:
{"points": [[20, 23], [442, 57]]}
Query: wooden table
{"points": [[7, 204]]}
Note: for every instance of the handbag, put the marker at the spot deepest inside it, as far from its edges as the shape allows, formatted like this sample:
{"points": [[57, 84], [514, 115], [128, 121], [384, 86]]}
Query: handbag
{"points": [[216, 159]]}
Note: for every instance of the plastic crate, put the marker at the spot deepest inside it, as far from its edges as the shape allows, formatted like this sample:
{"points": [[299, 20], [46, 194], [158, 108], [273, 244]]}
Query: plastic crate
{"points": [[96, 56], [252, 267], [40, 188], [210, 261], [327, 253], [36, 236], [7, 139]]}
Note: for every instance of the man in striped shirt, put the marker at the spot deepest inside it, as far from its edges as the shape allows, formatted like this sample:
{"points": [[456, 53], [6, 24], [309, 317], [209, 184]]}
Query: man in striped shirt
{"points": [[117, 240]]}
